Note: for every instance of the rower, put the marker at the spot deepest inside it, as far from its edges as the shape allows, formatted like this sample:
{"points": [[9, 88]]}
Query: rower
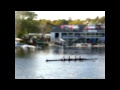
{"points": [[69, 58], [63, 58], [80, 58], [75, 58]]}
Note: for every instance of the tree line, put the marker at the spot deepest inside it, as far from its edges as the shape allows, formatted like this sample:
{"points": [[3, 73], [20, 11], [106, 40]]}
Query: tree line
{"points": [[25, 23]]}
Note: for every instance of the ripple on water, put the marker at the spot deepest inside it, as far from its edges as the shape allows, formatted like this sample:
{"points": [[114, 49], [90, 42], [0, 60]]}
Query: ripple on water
{"points": [[33, 65]]}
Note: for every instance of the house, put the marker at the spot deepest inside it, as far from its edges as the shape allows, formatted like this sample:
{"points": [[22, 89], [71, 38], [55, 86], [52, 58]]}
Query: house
{"points": [[94, 33], [66, 32], [79, 33]]}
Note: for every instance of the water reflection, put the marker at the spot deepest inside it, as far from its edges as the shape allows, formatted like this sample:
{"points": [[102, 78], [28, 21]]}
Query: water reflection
{"points": [[76, 50], [32, 65]]}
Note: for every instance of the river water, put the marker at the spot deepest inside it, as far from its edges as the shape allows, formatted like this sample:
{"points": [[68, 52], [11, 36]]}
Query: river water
{"points": [[33, 65]]}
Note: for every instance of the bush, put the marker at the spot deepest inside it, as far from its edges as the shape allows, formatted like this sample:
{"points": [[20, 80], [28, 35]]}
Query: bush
{"points": [[45, 44]]}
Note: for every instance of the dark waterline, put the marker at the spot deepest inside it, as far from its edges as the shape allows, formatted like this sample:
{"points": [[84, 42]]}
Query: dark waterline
{"points": [[33, 65]]}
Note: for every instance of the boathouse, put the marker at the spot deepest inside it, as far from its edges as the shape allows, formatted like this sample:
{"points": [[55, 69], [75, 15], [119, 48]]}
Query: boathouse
{"points": [[79, 33]]}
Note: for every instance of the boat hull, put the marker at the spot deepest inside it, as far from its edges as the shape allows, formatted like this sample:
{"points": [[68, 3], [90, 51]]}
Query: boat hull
{"points": [[79, 59]]}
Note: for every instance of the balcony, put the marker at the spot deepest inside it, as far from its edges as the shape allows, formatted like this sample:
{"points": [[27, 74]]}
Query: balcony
{"points": [[69, 37], [72, 30], [94, 31]]}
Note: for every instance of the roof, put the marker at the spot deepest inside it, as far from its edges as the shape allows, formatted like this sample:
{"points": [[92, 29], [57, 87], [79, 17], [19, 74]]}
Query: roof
{"points": [[58, 29]]}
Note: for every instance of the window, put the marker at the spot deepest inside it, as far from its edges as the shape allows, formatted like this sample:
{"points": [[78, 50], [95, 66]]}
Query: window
{"points": [[97, 34], [64, 34], [88, 34], [70, 34], [100, 34], [77, 34], [103, 34], [92, 34]]}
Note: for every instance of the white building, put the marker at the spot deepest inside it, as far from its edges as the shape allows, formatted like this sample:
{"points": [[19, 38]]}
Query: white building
{"points": [[81, 33]]}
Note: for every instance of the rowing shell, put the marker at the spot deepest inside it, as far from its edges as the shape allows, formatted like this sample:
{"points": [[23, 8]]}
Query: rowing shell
{"points": [[72, 59]]}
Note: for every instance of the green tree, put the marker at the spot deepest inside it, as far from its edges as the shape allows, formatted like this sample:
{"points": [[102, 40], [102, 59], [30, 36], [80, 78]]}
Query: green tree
{"points": [[102, 19], [64, 22], [45, 26], [24, 22]]}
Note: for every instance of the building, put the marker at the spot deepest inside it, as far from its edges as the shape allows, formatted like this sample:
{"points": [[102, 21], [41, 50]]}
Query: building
{"points": [[79, 33], [94, 33]]}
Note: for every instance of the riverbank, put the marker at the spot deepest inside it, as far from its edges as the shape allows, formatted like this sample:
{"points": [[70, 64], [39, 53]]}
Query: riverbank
{"points": [[98, 46], [79, 46]]}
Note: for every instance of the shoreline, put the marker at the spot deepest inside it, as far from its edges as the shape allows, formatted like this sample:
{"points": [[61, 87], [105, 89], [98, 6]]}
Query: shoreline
{"points": [[82, 46]]}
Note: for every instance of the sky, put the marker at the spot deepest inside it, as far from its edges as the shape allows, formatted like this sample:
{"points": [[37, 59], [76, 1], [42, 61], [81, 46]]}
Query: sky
{"points": [[55, 15]]}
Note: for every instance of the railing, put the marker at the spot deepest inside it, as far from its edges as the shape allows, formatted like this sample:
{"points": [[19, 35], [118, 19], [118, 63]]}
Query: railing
{"points": [[71, 30], [99, 31], [69, 37], [92, 35]]}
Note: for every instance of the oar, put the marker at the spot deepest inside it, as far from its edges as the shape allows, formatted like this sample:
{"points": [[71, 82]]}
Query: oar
{"points": [[53, 60]]}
